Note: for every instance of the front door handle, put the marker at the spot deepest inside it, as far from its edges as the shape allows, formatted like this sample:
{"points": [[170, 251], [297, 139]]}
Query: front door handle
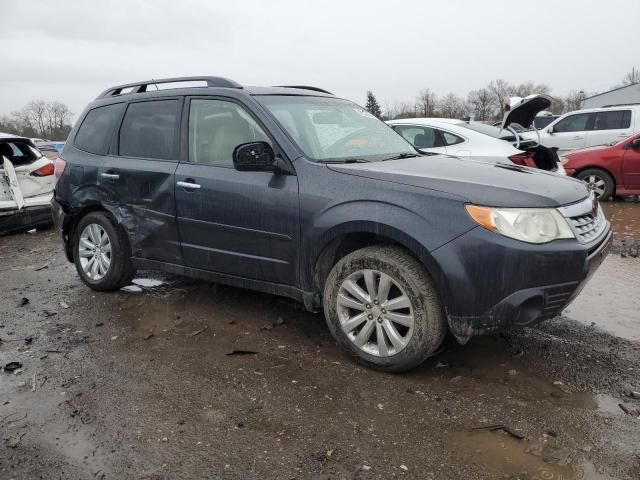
{"points": [[110, 176], [578, 138], [188, 185]]}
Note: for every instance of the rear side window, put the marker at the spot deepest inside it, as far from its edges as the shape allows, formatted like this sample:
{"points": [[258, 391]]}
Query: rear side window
{"points": [[572, 123], [612, 120], [451, 139], [150, 130], [95, 132]]}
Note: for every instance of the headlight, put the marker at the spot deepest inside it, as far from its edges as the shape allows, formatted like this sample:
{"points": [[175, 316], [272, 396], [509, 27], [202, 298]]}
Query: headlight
{"points": [[533, 225], [564, 160]]}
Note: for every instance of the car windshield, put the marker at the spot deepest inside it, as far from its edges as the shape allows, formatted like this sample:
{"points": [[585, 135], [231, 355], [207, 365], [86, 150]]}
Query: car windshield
{"points": [[495, 132], [332, 129]]}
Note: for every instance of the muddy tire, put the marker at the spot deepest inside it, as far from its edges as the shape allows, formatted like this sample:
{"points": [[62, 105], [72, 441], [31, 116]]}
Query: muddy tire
{"points": [[101, 253], [382, 307], [600, 182]]}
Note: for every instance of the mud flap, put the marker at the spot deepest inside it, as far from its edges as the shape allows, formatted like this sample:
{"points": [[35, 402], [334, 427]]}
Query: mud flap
{"points": [[14, 186]]}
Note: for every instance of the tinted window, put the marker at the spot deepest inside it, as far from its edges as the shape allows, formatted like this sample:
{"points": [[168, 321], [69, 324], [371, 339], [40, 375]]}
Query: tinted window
{"points": [[612, 120], [150, 130], [572, 123], [419, 137], [95, 132], [18, 153], [451, 139], [216, 128]]}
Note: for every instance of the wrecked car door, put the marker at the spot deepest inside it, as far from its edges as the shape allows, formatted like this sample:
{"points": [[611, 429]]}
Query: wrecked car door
{"points": [[232, 222], [140, 177], [12, 181]]}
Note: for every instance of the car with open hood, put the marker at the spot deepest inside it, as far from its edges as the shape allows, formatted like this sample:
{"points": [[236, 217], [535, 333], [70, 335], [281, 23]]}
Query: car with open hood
{"points": [[502, 143], [296, 192], [26, 185]]}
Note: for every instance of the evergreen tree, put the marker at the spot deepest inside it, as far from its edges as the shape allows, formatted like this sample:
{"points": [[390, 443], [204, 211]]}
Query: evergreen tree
{"points": [[372, 105]]}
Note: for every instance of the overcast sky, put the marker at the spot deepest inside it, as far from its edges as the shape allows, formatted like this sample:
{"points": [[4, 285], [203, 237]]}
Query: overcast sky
{"points": [[70, 50]]}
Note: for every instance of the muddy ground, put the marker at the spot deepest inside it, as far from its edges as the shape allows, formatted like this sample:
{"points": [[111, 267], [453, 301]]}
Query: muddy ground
{"points": [[162, 382]]}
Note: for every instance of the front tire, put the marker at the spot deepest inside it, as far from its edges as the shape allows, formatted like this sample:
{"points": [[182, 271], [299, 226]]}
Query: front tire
{"points": [[382, 307], [101, 253], [600, 182]]}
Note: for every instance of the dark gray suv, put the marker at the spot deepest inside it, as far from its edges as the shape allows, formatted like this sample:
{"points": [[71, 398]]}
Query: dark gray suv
{"points": [[292, 191]]}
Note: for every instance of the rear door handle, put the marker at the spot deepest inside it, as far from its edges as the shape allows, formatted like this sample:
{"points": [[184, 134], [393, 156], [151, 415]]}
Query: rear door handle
{"points": [[578, 138], [188, 185], [110, 176]]}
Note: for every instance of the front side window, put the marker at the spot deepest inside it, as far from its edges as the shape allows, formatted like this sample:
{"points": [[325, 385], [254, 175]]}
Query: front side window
{"points": [[216, 128], [572, 123], [612, 120], [95, 132], [150, 130], [419, 137], [332, 129]]}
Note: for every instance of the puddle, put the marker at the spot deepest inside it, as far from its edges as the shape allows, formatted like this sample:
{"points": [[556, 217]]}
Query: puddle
{"points": [[611, 299], [624, 217], [506, 457], [147, 282], [132, 289]]}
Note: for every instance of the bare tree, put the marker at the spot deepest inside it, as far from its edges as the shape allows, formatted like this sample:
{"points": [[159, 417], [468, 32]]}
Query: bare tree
{"points": [[632, 77], [452, 106], [501, 90], [39, 119], [557, 106], [426, 103], [528, 88], [574, 100], [482, 104]]}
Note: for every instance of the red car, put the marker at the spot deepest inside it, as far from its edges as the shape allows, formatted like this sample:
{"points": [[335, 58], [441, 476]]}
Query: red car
{"points": [[610, 170]]}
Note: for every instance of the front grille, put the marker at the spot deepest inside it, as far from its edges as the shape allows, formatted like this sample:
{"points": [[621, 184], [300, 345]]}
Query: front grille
{"points": [[586, 219], [588, 227]]}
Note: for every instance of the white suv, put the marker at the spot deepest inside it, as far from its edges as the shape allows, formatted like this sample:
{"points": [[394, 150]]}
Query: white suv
{"points": [[590, 127]]}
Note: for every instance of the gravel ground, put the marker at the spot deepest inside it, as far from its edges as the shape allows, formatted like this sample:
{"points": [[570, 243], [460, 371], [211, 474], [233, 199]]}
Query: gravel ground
{"points": [[192, 380]]}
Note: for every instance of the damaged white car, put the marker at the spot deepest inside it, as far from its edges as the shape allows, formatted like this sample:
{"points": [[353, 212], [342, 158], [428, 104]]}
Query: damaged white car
{"points": [[26, 185]]}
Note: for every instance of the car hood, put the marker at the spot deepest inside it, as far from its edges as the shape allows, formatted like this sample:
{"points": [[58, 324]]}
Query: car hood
{"points": [[481, 183], [523, 111]]}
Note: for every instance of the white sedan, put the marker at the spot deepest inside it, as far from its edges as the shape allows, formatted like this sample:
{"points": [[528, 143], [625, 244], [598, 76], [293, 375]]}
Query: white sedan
{"points": [[26, 185], [473, 139]]}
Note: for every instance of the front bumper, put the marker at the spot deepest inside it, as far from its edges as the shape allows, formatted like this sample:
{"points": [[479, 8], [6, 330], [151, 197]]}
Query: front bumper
{"points": [[490, 282], [19, 220]]}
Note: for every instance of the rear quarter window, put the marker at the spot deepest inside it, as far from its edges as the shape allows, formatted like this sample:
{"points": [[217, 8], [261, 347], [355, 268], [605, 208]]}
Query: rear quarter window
{"points": [[94, 135]]}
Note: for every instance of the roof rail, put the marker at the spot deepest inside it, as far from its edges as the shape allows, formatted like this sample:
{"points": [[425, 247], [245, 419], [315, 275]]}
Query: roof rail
{"points": [[139, 87], [305, 87], [620, 105]]}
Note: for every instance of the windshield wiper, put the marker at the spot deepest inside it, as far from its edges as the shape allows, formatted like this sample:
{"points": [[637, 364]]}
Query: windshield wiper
{"points": [[401, 156], [346, 160]]}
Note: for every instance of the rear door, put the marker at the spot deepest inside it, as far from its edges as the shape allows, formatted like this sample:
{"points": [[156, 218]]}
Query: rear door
{"points": [[570, 132], [139, 177], [237, 223], [609, 126]]}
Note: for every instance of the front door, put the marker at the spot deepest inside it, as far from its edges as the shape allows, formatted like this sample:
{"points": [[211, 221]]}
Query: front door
{"points": [[631, 168], [237, 223], [569, 133]]}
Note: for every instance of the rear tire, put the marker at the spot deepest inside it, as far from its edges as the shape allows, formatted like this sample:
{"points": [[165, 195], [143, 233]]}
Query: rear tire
{"points": [[101, 253], [397, 319], [600, 181]]}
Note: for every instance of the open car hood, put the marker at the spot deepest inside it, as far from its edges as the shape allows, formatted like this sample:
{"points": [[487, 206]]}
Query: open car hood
{"points": [[523, 111]]}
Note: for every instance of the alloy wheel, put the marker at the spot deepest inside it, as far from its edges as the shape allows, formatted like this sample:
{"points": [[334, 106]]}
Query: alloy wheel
{"points": [[597, 184], [375, 313], [94, 251]]}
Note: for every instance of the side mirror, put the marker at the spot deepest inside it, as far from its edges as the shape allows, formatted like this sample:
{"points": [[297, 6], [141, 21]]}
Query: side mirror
{"points": [[254, 157], [550, 130], [636, 144]]}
